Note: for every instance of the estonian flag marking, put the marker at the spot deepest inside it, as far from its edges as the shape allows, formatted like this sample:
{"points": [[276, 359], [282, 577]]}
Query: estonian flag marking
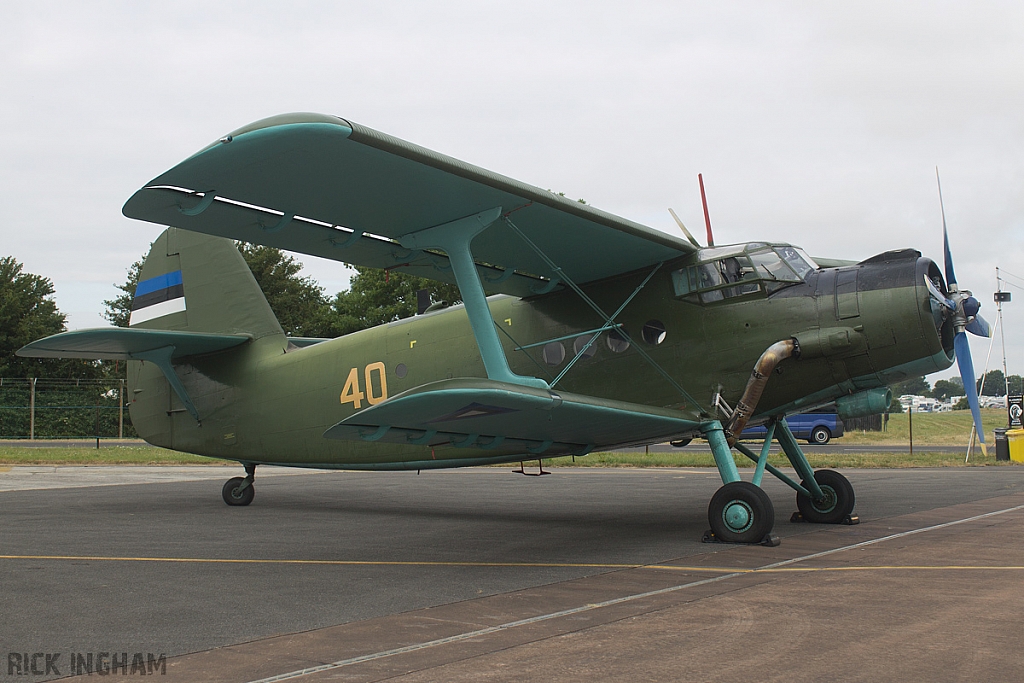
{"points": [[158, 296]]}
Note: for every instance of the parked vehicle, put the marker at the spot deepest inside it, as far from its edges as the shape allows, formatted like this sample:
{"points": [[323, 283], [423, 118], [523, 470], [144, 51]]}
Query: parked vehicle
{"points": [[817, 427]]}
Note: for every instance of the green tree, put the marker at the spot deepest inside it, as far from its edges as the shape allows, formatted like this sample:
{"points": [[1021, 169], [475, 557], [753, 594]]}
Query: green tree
{"points": [[995, 384], [27, 313], [298, 302], [119, 309], [918, 386], [945, 388], [1016, 384], [376, 297]]}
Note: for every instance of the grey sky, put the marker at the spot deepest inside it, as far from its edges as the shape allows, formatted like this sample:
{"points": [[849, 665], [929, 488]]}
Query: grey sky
{"points": [[814, 123]]}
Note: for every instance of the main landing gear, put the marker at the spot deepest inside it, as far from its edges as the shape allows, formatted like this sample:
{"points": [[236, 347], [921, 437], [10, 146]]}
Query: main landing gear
{"points": [[836, 504], [239, 490], [741, 512]]}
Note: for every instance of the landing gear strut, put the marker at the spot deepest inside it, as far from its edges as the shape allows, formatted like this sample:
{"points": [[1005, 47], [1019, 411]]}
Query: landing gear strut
{"points": [[740, 511], [239, 490]]}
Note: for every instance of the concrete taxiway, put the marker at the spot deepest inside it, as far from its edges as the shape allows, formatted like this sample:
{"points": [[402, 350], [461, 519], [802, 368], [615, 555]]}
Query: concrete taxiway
{"points": [[483, 574]]}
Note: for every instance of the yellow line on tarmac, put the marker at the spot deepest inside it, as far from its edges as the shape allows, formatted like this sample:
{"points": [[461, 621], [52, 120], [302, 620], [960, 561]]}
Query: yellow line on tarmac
{"points": [[556, 565]]}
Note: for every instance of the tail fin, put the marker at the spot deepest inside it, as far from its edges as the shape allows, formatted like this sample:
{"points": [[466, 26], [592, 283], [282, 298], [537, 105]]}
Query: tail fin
{"points": [[197, 283]]}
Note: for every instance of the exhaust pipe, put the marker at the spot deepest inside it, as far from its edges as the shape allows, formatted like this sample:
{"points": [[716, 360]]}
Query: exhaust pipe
{"points": [[772, 356]]}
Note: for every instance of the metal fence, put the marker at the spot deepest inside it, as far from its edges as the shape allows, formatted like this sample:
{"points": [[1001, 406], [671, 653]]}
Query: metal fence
{"points": [[54, 409]]}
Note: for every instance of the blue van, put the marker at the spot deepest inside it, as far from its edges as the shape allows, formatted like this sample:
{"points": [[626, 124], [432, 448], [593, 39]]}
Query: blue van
{"points": [[818, 427]]}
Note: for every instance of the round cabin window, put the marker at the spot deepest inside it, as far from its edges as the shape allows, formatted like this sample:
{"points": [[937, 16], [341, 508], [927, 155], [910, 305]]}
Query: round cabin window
{"points": [[617, 341], [554, 353], [654, 332], [581, 342]]}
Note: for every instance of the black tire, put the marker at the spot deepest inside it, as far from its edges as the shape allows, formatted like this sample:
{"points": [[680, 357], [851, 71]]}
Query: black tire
{"points": [[820, 436], [838, 503], [235, 495], [680, 443], [740, 512]]}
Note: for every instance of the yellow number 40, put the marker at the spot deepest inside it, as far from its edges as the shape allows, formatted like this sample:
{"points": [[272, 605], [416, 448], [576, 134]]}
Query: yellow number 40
{"points": [[350, 393]]}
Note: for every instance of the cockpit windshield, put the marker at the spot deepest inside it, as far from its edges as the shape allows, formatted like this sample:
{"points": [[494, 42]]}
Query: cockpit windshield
{"points": [[727, 272]]}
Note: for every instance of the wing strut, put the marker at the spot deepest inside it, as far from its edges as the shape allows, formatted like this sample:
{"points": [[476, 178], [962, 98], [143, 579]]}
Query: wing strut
{"points": [[608, 325], [454, 239], [609, 321]]}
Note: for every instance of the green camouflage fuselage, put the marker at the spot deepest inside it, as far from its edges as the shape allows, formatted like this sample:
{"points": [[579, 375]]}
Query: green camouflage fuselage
{"points": [[269, 401]]}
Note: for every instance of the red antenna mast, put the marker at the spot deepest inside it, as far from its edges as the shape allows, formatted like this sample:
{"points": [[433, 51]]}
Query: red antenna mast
{"points": [[707, 217]]}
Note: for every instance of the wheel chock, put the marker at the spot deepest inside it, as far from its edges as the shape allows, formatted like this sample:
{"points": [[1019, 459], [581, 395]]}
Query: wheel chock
{"points": [[848, 520], [769, 541]]}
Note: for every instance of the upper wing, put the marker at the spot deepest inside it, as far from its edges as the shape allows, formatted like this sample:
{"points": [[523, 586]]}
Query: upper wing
{"points": [[324, 186]]}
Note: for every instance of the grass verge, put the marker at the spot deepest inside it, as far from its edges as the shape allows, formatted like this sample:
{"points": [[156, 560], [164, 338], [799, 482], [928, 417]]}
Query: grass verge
{"points": [[817, 460], [936, 429], [107, 455]]}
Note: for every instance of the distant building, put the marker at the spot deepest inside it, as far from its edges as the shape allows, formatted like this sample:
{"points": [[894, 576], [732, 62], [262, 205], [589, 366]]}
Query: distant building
{"points": [[925, 404]]}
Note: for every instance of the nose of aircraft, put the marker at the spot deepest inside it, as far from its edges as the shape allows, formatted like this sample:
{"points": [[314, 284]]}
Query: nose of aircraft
{"points": [[929, 278], [907, 333]]}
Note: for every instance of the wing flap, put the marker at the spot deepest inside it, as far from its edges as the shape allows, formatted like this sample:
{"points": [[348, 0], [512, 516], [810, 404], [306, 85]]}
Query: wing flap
{"points": [[287, 175], [118, 343], [485, 414]]}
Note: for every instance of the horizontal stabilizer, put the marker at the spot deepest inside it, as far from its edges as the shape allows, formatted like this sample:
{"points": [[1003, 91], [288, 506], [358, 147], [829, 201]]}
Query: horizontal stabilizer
{"points": [[480, 413], [120, 343]]}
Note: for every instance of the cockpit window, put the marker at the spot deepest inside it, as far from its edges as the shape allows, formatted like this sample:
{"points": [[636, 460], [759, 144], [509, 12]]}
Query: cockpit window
{"points": [[798, 260], [726, 272], [711, 279], [771, 266]]}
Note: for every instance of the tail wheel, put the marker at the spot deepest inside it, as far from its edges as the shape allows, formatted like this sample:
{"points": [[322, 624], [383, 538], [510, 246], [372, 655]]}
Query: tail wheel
{"points": [[836, 504], [740, 512], [234, 493]]}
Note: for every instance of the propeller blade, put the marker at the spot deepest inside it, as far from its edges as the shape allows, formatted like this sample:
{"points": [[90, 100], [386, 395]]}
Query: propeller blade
{"points": [[966, 366], [938, 295], [707, 216], [980, 327], [683, 228], [950, 275]]}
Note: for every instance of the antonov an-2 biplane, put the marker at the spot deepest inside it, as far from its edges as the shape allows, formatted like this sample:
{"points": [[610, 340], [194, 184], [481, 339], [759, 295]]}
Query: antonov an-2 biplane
{"points": [[579, 331]]}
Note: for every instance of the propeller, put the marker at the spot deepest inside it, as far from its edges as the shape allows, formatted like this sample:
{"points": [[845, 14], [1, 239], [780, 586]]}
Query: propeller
{"points": [[963, 309]]}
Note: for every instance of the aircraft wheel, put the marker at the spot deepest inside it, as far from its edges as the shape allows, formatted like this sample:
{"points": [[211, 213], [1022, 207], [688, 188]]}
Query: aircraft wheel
{"points": [[234, 494], [837, 503], [740, 512], [820, 436]]}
